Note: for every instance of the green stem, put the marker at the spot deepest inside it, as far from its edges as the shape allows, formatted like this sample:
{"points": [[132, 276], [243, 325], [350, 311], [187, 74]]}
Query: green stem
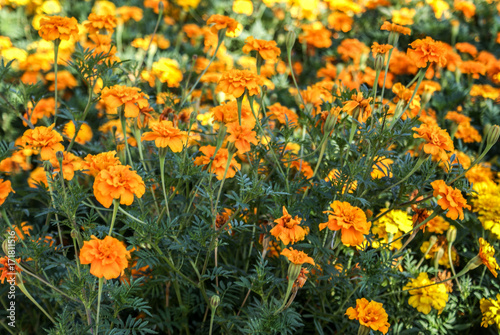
{"points": [[123, 122], [163, 154], [99, 295], [211, 321], [385, 78], [23, 289], [420, 161], [116, 205]]}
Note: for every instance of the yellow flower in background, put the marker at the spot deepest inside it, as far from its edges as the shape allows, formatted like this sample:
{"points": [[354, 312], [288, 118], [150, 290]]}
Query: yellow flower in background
{"points": [[487, 256], [186, 4], [404, 16], [426, 298], [243, 7], [486, 202], [490, 309]]}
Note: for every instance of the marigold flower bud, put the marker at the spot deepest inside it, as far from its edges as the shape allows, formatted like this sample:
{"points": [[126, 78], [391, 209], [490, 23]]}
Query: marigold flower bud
{"points": [[290, 40], [379, 62], [214, 302], [493, 135], [363, 330], [451, 235], [47, 166]]}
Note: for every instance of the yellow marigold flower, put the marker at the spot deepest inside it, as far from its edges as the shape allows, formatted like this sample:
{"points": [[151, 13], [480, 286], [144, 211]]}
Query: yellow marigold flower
{"points": [[266, 49], [243, 7], [94, 164], [370, 314], [396, 220], [118, 182], [438, 141], [84, 134], [44, 139], [426, 298], [404, 16], [57, 27], [71, 163], [427, 51], [166, 135], [108, 257], [392, 27], [219, 162], [130, 97], [297, 257], [97, 23], [288, 229], [487, 256], [491, 311], [220, 22], [186, 4], [437, 225], [451, 199], [235, 82], [487, 204], [166, 70], [5, 189], [350, 220], [242, 136]]}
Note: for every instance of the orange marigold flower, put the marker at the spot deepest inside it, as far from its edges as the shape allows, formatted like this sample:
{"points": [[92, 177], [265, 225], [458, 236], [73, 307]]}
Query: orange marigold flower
{"points": [[118, 182], [467, 133], [392, 27], [8, 269], [358, 107], [466, 7], [84, 134], [316, 35], [130, 97], [126, 13], [228, 113], [94, 164], [350, 220], [57, 27], [108, 257], [297, 257], [97, 23], [427, 51], [235, 82], [380, 49], [64, 80], [166, 135], [438, 141], [222, 22], [45, 139], [5, 189], [44, 107], [282, 114], [451, 199], [219, 162], [487, 256], [302, 278], [288, 229], [266, 49], [352, 48], [369, 314], [242, 136], [37, 176], [71, 163], [466, 48]]}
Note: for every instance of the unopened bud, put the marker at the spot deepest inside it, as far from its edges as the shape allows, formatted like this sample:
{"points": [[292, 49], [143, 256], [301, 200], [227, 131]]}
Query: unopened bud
{"points": [[161, 6], [231, 149], [293, 272], [451, 235], [47, 166], [493, 135], [439, 254], [432, 240], [264, 89], [290, 40], [214, 302], [473, 263], [363, 330], [379, 63], [74, 233], [59, 155]]}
